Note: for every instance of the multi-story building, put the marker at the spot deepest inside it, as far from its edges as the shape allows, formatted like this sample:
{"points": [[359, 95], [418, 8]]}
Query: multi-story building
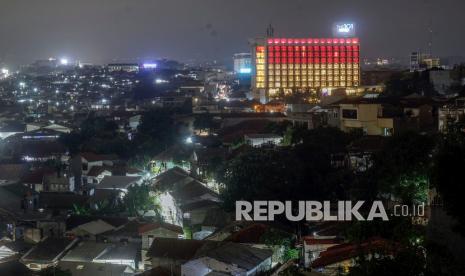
{"points": [[420, 61], [242, 63], [451, 112], [282, 66]]}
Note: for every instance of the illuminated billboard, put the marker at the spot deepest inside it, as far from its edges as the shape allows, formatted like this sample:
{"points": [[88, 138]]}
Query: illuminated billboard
{"points": [[344, 29]]}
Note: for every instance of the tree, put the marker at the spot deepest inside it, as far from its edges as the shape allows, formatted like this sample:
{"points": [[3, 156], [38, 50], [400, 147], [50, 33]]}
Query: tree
{"points": [[447, 174], [73, 141], [139, 200], [301, 172], [400, 169], [203, 122], [403, 84], [408, 261], [156, 132]]}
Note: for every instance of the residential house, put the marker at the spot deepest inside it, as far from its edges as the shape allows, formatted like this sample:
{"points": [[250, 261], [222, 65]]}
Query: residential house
{"points": [[170, 254], [47, 253], [452, 111], [97, 173], [90, 230], [10, 129], [12, 250], [340, 258], [257, 235], [88, 255], [90, 160], [58, 182], [197, 258], [11, 173], [314, 245], [118, 183], [386, 116], [175, 189], [34, 179], [120, 254], [151, 231], [229, 259], [96, 269], [73, 221]]}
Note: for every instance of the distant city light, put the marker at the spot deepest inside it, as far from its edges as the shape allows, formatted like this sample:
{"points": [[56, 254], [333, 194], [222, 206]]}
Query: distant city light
{"points": [[35, 89], [189, 140], [149, 65], [64, 61], [160, 81], [22, 84]]}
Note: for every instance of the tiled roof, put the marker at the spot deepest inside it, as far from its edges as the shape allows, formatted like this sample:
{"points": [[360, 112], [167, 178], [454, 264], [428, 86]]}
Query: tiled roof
{"points": [[174, 248], [348, 251], [118, 182], [93, 157], [151, 226]]}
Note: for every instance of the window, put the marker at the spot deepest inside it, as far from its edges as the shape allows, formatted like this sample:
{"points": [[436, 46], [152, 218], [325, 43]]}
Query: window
{"points": [[349, 114]]}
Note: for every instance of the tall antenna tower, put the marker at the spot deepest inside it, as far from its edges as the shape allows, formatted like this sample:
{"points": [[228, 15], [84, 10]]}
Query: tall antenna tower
{"points": [[270, 31]]}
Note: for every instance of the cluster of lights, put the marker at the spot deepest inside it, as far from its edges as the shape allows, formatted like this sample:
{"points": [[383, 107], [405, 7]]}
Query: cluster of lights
{"points": [[313, 41], [149, 65], [64, 61]]}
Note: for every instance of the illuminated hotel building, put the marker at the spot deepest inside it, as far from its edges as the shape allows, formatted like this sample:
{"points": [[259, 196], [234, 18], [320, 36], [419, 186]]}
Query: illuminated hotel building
{"points": [[284, 65]]}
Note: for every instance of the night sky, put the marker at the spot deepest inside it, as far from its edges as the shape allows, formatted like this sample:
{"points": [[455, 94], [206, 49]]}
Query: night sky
{"points": [[100, 31]]}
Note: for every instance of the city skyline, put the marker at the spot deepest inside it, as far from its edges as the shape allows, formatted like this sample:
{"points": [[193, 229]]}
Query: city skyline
{"points": [[214, 30]]}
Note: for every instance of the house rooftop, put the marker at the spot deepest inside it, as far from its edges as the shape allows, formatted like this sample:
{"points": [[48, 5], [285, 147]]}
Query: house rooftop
{"points": [[118, 182], [96, 227], [152, 226], [48, 250], [347, 251], [85, 251], [74, 221], [244, 256], [95, 269], [97, 170], [94, 157], [192, 190], [168, 178], [12, 172], [126, 251], [174, 248]]}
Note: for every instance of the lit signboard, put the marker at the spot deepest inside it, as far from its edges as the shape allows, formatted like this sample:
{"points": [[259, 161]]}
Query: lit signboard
{"points": [[149, 65], [344, 30]]}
